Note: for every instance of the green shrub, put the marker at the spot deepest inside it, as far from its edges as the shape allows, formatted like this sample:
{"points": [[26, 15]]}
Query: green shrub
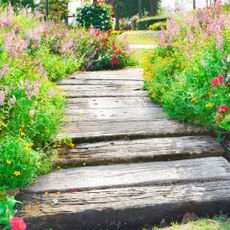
{"points": [[157, 26], [144, 23], [96, 15]]}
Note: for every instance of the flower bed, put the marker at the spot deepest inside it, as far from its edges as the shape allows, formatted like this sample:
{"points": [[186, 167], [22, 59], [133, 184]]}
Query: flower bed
{"points": [[33, 54], [188, 74]]}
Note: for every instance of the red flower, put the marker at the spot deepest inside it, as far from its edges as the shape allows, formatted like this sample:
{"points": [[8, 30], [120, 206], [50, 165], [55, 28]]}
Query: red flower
{"points": [[17, 223], [113, 58], [222, 108], [118, 62], [112, 62], [109, 32], [73, 190], [217, 80], [118, 52]]}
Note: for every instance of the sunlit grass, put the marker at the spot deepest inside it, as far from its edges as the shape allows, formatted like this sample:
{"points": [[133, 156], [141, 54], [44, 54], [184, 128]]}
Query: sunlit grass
{"points": [[141, 37]]}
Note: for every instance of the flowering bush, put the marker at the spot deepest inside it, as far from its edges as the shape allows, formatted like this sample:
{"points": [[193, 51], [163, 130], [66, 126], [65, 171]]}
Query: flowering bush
{"points": [[96, 15], [188, 74]]}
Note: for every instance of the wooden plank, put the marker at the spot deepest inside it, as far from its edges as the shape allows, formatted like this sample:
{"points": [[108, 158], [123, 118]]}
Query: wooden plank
{"points": [[124, 74], [97, 82], [124, 208], [105, 93], [150, 149], [108, 130], [114, 114], [128, 175], [110, 102]]}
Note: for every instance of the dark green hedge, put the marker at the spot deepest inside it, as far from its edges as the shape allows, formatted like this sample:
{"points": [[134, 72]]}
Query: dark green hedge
{"points": [[144, 23]]}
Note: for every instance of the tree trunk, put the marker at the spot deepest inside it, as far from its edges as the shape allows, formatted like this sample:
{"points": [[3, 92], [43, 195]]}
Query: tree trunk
{"points": [[194, 4]]}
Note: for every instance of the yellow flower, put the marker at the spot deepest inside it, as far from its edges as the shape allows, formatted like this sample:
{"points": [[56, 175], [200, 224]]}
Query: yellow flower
{"points": [[3, 124], [17, 173], [46, 193], [194, 100], [209, 105], [71, 145], [8, 162]]}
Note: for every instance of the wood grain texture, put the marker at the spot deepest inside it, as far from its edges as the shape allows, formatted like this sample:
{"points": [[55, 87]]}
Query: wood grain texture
{"points": [[124, 208], [114, 114], [141, 150], [108, 130], [135, 74], [129, 175], [110, 102]]}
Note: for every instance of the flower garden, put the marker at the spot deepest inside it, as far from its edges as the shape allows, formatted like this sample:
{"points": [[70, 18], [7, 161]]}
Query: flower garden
{"points": [[34, 54], [187, 74]]}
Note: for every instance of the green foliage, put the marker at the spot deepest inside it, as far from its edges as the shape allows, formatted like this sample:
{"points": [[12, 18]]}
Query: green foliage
{"points": [[19, 162], [7, 211], [96, 15], [188, 73], [157, 26], [144, 23]]}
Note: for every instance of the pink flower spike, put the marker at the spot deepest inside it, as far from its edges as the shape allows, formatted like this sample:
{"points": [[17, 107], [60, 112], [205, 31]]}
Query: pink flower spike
{"points": [[222, 108], [17, 223]]}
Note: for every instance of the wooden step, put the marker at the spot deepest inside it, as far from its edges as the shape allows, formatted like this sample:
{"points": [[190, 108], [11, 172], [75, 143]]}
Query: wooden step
{"points": [[127, 196], [114, 114], [128, 175], [92, 131], [141, 150], [133, 74], [110, 102]]}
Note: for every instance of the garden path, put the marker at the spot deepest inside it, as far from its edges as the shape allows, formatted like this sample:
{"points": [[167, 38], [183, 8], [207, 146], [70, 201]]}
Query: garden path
{"points": [[131, 166]]}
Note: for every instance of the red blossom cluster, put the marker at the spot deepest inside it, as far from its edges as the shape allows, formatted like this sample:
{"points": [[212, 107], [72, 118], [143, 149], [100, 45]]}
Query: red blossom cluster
{"points": [[217, 80]]}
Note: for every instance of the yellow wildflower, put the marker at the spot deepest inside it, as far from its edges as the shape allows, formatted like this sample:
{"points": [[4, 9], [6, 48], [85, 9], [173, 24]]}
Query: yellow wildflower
{"points": [[71, 145], [194, 100], [209, 105], [8, 162], [46, 193], [17, 173]]}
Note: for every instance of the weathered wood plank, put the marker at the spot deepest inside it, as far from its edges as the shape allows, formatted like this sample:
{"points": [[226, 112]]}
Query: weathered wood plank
{"points": [[153, 149], [97, 82], [124, 208], [105, 93], [114, 114], [72, 88], [129, 175], [125, 74], [110, 102], [108, 130]]}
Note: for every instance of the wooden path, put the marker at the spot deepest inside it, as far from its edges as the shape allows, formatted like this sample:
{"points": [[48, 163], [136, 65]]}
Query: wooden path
{"points": [[131, 166]]}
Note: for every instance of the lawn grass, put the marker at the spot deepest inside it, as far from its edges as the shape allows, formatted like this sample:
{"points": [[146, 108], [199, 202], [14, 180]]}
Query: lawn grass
{"points": [[141, 37], [140, 56]]}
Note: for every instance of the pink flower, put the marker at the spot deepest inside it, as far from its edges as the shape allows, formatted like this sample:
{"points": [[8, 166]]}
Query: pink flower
{"points": [[113, 58], [217, 80], [118, 62], [222, 108], [118, 52], [17, 223], [4, 70], [112, 62], [12, 100], [31, 113], [73, 190]]}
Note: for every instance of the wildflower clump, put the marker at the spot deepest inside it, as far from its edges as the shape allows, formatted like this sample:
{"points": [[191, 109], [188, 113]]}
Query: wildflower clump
{"points": [[188, 74]]}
